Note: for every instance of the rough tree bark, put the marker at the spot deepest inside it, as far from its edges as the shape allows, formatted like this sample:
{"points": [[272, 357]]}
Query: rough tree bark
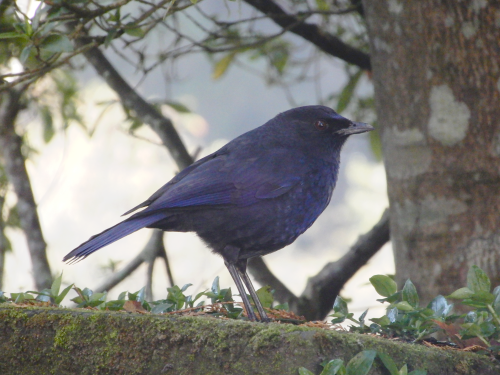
{"points": [[436, 74]]}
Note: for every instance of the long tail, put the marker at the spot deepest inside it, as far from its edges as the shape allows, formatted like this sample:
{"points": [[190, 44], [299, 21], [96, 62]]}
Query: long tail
{"points": [[111, 235]]}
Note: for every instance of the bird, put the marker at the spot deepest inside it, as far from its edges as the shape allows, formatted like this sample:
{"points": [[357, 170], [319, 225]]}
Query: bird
{"points": [[253, 196]]}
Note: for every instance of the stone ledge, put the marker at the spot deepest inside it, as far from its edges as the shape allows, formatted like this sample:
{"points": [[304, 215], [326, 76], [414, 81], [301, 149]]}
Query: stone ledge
{"points": [[35, 340]]}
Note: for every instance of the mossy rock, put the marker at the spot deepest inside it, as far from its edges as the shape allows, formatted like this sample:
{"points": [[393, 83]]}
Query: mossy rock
{"points": [[35, 340]]}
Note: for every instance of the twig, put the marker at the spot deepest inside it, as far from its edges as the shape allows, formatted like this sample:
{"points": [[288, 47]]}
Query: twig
{"points": [[149, 251], [143, 110], [321, 39]]}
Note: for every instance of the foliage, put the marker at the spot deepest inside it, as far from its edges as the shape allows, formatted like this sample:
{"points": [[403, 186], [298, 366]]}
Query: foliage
{"points": [[221, 300], [361, 364], [406, 319]]}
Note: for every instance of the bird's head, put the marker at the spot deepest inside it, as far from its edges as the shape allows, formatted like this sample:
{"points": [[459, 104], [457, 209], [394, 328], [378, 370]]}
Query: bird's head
{"points": [[319, 127]]}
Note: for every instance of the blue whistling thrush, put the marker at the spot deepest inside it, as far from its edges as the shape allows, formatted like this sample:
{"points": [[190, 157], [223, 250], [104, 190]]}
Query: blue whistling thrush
{"points": [[255, 195]]}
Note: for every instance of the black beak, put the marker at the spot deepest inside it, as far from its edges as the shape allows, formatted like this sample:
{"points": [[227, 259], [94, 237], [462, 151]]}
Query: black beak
{"points": [[355, 128]]}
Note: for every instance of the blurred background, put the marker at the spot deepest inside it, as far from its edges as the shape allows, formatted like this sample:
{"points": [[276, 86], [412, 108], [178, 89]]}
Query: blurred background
{"points": [[93, 171]]}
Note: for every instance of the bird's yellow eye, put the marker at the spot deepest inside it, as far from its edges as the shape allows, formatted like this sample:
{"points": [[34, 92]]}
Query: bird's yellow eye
{"points": [[321, 125]]}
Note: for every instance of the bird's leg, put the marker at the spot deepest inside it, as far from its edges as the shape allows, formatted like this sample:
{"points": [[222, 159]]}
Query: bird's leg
{"points": [[230, 255], [241, 265], [236, 277]]}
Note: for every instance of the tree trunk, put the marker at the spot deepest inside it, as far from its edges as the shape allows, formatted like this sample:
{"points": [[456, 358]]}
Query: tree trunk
{"points": [[437, 89], [15, 169], [3, 239]]}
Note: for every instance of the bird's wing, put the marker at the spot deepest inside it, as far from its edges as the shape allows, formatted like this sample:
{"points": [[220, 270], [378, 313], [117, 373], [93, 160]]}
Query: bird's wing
{"points": [[224, 180]]}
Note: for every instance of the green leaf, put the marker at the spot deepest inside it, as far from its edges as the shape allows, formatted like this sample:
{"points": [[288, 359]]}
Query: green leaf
{"points": [[13, 219], [410, 294], [302, 370], [161, 308], [404, 370], [496, 302], [60, 297], [185, 286], [362, 318], [461, 293], [27, 26], [348, 91], [440, 306], [12, 35], [487, 329], [178, 107], [477, 280], [40, 10], [340, 306], [484, 297], [222, 65], [332, 367], [322, 5], [388, 363], [134, 31], [282, 306], [265, 296], [56, 285], [403, 306], [109, 37], [383, 321], [25, 53], [215, 286], [48, 124], [361, 363], [56, 43], [384, 285]]}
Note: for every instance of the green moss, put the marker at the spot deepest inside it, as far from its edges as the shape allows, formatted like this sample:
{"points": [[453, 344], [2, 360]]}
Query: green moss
{"points": [[67, 341]]}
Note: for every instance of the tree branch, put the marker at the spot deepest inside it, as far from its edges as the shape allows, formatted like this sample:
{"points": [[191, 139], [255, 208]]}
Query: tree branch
{"points": [[321, 290], [326, 42], [15, 170], [264, 276], [327, 284], [150, 251], [143, 110], [168, 135]]}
